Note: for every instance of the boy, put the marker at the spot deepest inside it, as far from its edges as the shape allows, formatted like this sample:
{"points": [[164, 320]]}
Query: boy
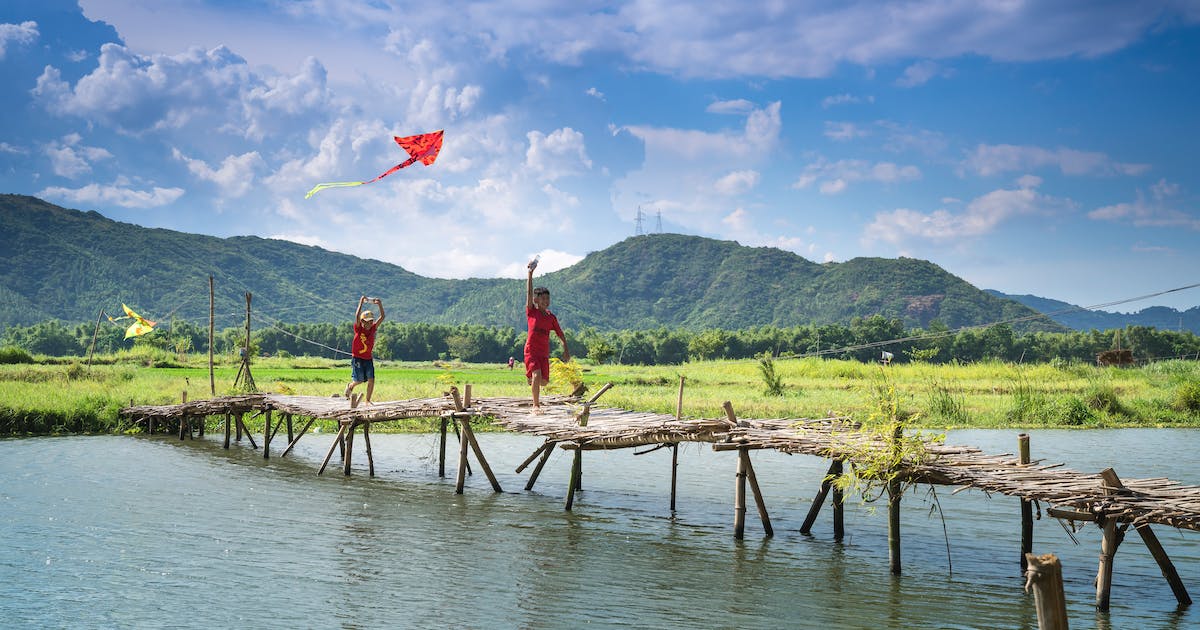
{"points": [[537, 345], [362, 367]]}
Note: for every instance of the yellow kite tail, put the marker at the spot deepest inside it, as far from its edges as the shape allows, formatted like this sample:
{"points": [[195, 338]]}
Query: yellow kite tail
{"points": [[319, 187]]}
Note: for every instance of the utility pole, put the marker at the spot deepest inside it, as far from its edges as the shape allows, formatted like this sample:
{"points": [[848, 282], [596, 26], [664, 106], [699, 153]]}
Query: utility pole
{"points": [[637, 230]]}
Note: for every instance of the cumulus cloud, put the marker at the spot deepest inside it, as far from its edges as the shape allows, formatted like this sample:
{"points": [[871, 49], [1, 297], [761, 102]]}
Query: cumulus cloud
{"points": [[994, 159], [921, 73], [17, 34], [739, 107], [843, 131], [1153, 210], [235, 176], [844, 99], [94, 194], [981, 216], [737, 182], [834, 177], [12, 148], [70, 159], [556, 155], [593, 92]]}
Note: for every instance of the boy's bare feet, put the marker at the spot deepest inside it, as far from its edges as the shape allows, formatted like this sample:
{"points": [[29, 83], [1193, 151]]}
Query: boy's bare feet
{"points": [[346, 392], [536, 410]]}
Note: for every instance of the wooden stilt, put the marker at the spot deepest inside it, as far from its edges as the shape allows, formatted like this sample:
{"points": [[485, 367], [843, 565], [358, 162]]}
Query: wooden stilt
{"points": [[291, 434], [242, 428], [239, 426], [839, 503], [537, 470], [292, 443], [337, 440], [367, 443], [267, 434], [1044, 575], [894, 491], [228, 427], [1026, 505], [818, 501], [349, 447], [674, 470], [442, 449], [462, 459], [1111, 480], [1108, 549], [483, 463], [203, 422], [739, 497], [576, 465], [529, 460], [758, 498]]}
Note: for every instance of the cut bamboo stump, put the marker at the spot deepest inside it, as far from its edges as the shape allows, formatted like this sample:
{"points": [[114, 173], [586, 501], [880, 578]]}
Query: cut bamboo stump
{"points": [[1043, 574]]}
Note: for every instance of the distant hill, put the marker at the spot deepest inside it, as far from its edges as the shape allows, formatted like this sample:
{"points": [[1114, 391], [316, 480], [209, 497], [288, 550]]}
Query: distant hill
{"points": [[1076, 318], [67, 264]]}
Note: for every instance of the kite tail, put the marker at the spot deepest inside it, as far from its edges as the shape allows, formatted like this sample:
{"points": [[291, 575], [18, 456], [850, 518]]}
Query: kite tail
{"points": [[409, 162], [319, 187]]}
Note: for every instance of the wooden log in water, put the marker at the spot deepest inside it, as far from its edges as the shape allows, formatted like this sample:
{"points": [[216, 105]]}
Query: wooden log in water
{"points": [[1026, 504], [353, 424], [228, 428], [1108, 548], [674, 469], [839, 503], [537, 470], [442, 448], [739, 496], [1152, 543], [291, 434], [758, 498], [299, 435], [1044, 576], [462, 456], [483, 463], [367, 443], [532, 456], [818, 501], [337, 440], [267, 434], [576, 466], [894, 490]]}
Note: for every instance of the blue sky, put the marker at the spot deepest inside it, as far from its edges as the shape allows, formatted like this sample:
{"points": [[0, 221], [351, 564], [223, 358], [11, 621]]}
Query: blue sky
{"points": [[1030, 147]]}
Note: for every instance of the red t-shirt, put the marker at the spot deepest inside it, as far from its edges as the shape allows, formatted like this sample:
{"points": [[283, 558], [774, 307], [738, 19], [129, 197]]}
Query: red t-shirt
{"points": [[364, 340], [540, 324]]}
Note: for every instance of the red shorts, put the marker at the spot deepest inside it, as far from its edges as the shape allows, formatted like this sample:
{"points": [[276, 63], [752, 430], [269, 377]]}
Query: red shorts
{"points": [[533, 364]]}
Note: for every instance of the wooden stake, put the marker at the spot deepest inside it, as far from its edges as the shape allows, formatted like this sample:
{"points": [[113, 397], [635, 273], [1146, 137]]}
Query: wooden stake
{"points": [[675, 447], [353, 424], [839, 503], [1156, 549], [1108, 549], [337, 440], [1026, 505], [462, 453], [1044, 575], [529, 460], [367, 443], [442, 449], [739, 496], [576, 466], [537, 470], [291, 434], [894, 492], [818, 501], [758, 498], [483, 463], [267, 434], [228, 428], [292, 443]]}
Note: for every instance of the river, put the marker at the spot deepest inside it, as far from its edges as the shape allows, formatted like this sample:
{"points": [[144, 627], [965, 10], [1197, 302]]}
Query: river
{"points": [[113, 531]]}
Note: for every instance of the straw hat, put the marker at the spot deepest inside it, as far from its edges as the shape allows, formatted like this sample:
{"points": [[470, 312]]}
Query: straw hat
{"points": [[367, 316]]}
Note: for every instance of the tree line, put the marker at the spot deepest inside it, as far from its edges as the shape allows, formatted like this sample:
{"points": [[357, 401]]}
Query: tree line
{"points": [[863, 340]]}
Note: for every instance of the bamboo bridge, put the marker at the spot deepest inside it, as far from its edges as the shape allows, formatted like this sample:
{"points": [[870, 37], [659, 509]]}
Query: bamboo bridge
{"points": [[578, 424]]}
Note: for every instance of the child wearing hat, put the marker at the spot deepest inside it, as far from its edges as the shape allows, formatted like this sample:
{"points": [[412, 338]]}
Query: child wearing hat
{"points": [[362, 367]]}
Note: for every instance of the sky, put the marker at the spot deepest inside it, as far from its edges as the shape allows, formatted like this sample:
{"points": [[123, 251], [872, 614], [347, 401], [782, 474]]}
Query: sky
{"points": [[1045, 148]]}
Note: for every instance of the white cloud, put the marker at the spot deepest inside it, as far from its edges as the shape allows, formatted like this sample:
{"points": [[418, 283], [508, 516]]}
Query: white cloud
{"points": [[18, 34], [739, 107], [1149, 212], [1029, 181], [835, 177], [737, 182], [70, 159], [844, 99], [303, 239], [981, 216], [556, 155], [234, 178], [921, 73], [593, 92], [12, 148], [994, 159], [843, 131], [737, 220], [115, 195]]}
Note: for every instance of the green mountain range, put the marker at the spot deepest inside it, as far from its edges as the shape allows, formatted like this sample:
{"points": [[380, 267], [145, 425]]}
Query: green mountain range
{"points": [[1080, 318], [57, 263]]}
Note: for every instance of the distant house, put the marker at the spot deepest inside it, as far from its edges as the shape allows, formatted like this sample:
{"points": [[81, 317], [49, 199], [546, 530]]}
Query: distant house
{"points": [[1115, 357]]}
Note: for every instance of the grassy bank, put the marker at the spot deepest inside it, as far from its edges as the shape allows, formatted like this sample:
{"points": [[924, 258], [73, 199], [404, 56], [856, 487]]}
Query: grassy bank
{"points": [[55, 396]]}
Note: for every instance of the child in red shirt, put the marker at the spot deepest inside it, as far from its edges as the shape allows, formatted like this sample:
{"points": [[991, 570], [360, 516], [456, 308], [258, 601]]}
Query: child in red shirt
{"points": [[362, 366], [537, 346]]}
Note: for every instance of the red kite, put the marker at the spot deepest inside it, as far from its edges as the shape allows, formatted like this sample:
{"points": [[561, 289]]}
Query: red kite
{"points": [[423, 148]]}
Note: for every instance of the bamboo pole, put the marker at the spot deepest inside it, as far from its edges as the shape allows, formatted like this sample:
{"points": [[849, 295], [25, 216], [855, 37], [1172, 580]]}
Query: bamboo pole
{"points": [[212, 383], [462, 457], [95, 333], [1026, 505], [739, 496], [537, 470], [267, 434], [1044, 575], [758, 498], [675, 447], [353, 424], [291, 433], [839, 503], [228, 428], [532, 456], [442, 449], [894, 490], [1108, 549], [337, 439], [818, 501], [1156, 549], [576, 466], [299, 435], [367, 443], [483, 463]]}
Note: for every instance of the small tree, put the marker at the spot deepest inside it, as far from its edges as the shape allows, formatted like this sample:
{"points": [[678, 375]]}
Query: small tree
{"points": [[774, 382]]}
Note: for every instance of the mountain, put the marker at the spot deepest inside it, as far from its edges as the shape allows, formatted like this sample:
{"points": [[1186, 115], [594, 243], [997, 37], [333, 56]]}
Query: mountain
{"points": [[1079, 318], [65, 264]]}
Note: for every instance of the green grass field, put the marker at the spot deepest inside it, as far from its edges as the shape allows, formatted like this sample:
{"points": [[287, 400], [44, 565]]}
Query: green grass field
{"points": [[51, 396]]}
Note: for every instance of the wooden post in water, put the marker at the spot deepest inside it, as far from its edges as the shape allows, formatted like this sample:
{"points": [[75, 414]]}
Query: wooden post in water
{"points": [[267, 434], [758, 497], [1108, 548], [367, 443], [337, 440], [462, 461], [228, 420], [818, 501], [1026, 505], [675, 447], [739, 496], [291, 433], [1111, 480], [1044, 575], [576, 472], [839, 502], [894, 490], [293, 441], [442, 449], [537, 470], [352, 424]]}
